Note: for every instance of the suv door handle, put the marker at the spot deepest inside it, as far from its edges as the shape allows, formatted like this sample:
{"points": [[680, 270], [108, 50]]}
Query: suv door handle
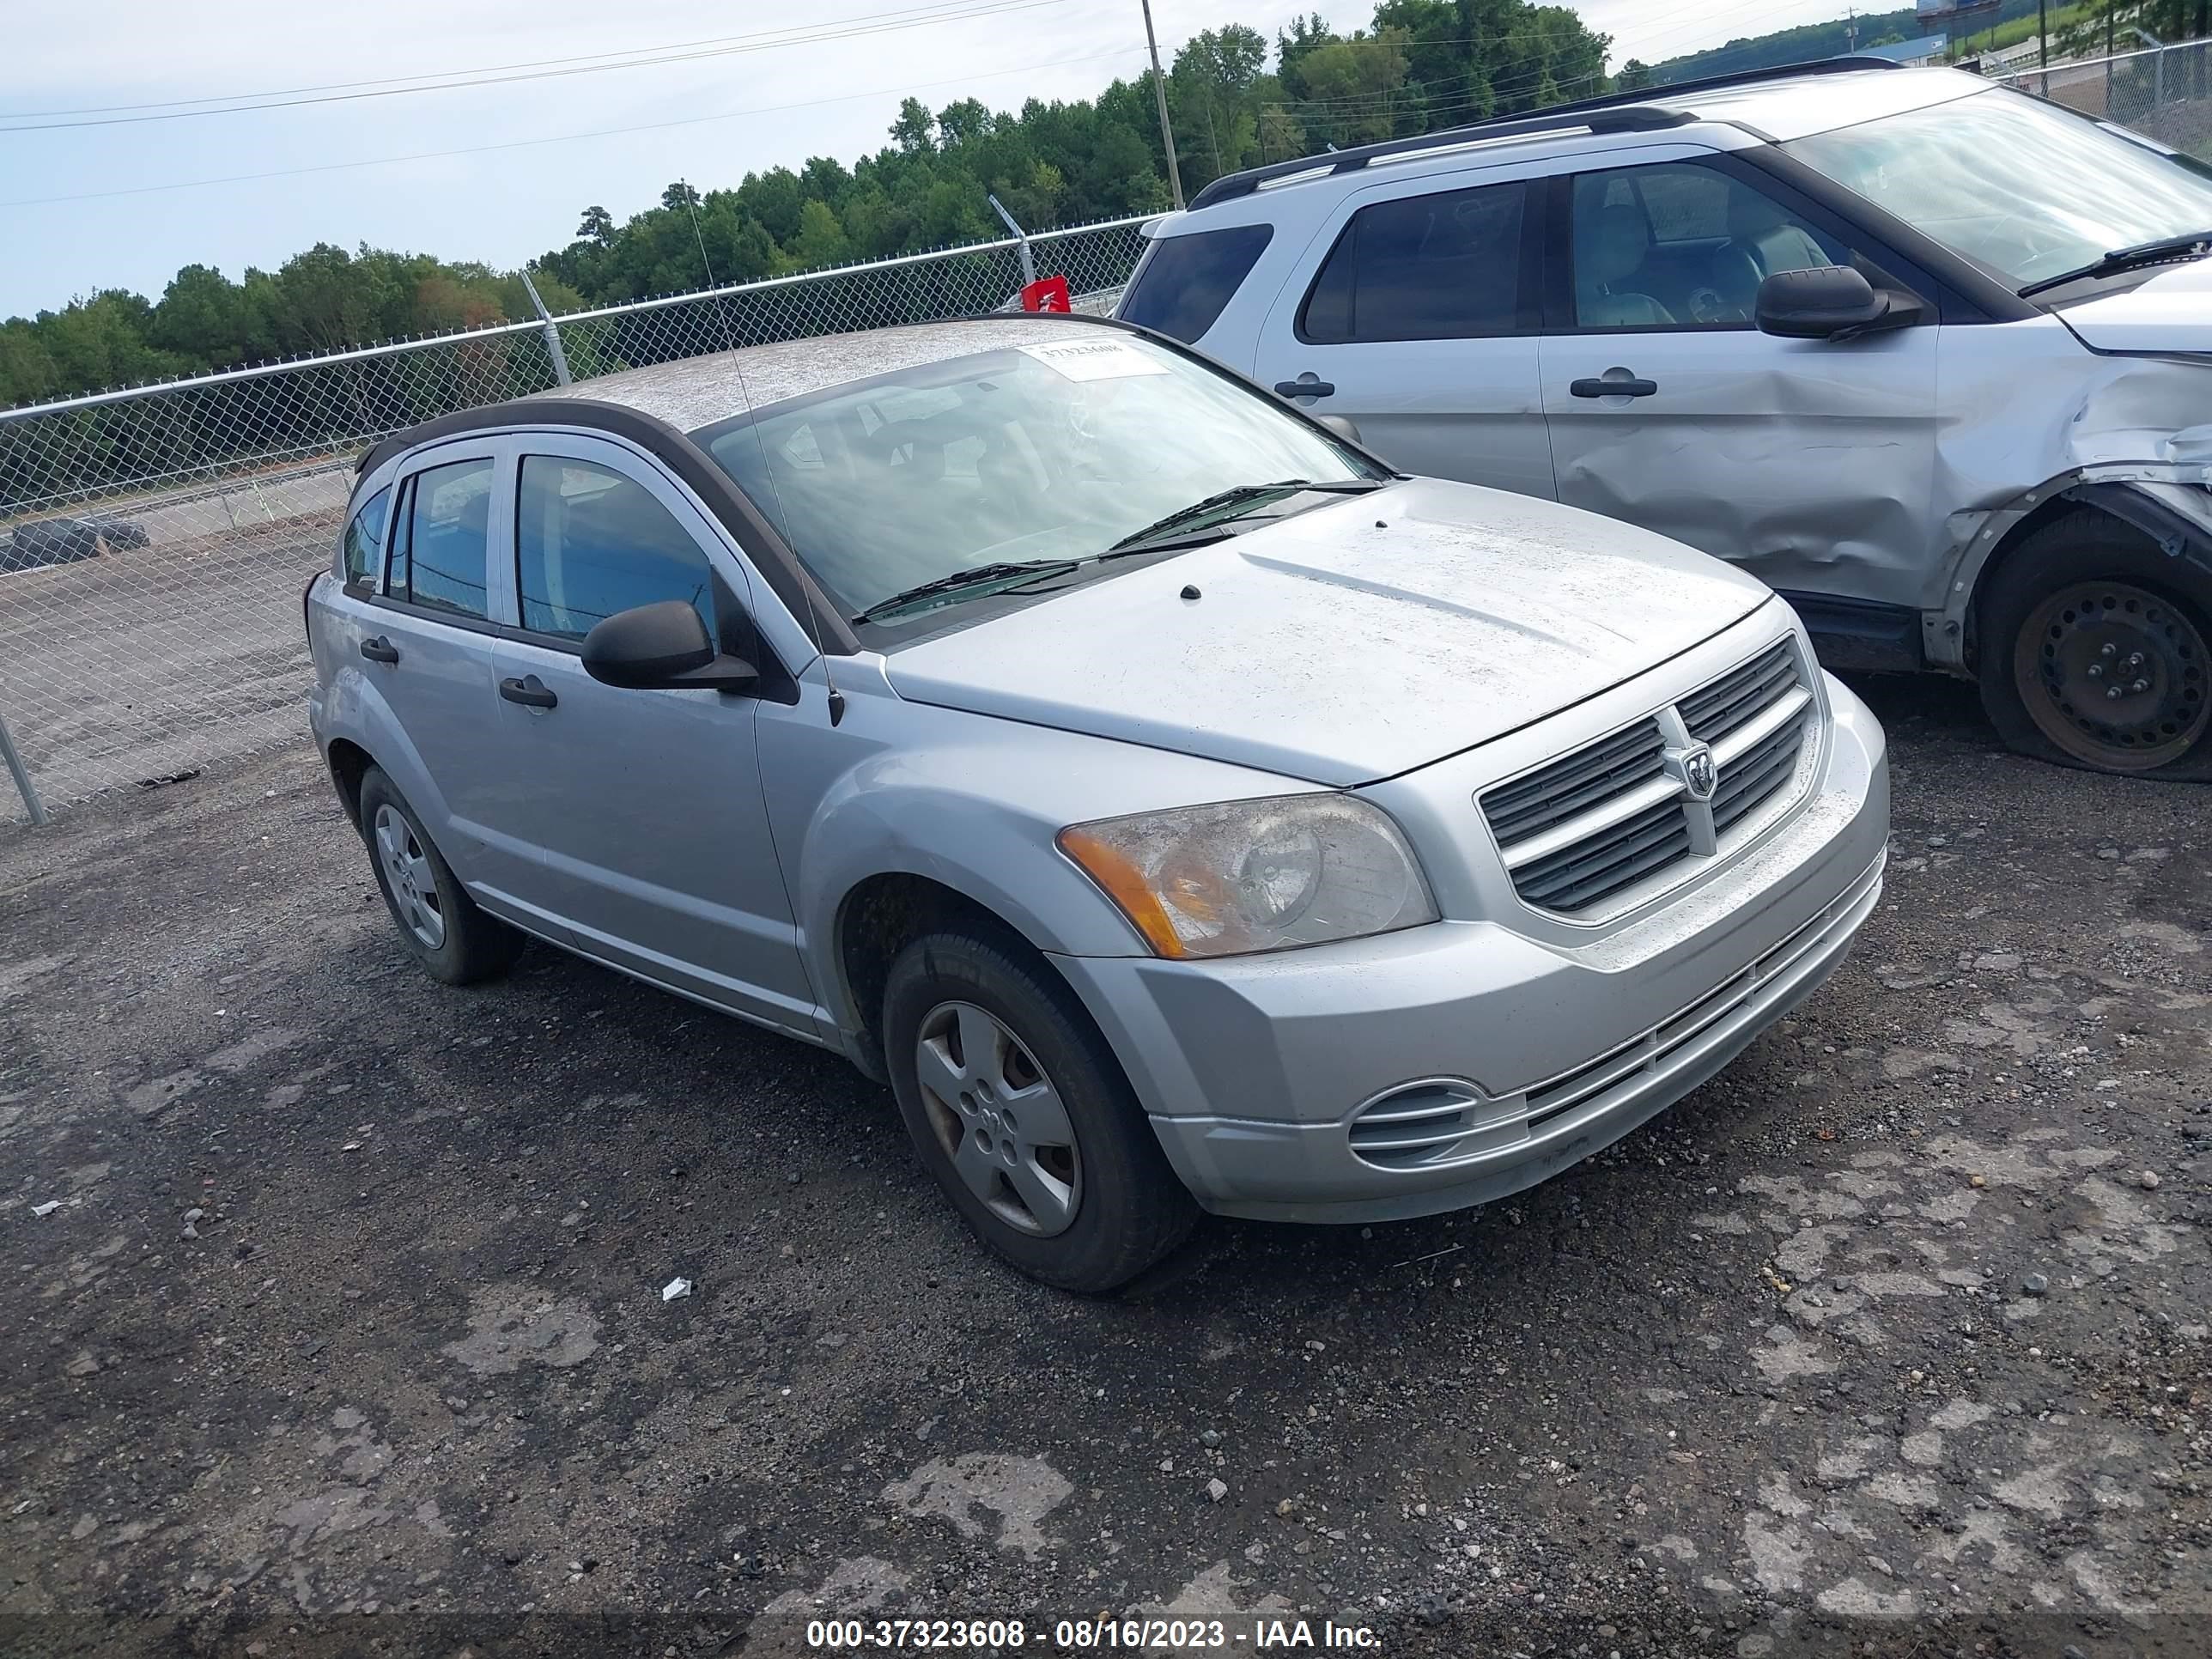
{"points": [[379, 649], [1599, 387], [1305, 388], [530, 691]]}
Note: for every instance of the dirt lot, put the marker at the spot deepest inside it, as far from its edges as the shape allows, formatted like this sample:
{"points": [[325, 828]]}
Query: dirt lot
{"points": [[347, 1333]]}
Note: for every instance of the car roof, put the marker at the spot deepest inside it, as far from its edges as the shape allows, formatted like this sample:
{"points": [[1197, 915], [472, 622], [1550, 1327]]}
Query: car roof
{"points": [[692, 393], [1803, 105], [1766, 106]]}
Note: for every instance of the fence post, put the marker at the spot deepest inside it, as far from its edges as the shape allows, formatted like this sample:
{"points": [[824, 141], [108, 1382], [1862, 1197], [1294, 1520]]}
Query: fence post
{"points": [[21, 774], [560, 375], [1028, 260]]}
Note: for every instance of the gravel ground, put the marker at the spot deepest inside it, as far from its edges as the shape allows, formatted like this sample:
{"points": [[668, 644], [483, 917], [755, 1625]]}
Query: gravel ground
{"points": [[347, 1334]]}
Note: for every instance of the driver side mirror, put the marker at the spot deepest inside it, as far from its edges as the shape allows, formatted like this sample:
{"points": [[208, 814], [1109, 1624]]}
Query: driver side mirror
{"points": [[661, 646], [1829, 302]]}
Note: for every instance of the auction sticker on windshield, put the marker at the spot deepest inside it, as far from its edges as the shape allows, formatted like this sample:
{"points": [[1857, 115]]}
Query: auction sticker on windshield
{"points": [[1094, 359]]}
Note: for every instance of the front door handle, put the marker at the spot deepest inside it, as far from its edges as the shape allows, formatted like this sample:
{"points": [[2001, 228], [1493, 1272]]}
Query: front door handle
{"points": [[379, 649], [1305, 387], [1605, 386], [530, 691]]}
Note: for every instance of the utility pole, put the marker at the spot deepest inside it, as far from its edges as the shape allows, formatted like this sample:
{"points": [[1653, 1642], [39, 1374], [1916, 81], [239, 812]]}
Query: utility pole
{"points": [[1160, 92], [2042, 39]]}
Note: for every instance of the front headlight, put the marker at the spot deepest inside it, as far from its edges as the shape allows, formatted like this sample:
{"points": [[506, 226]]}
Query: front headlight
{"points": [[1255, 875]]}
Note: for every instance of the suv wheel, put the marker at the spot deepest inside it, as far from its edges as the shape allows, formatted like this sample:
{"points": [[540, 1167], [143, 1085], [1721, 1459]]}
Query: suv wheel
{"points": [[2097, 651], [1020, 1111], [437, 919]]}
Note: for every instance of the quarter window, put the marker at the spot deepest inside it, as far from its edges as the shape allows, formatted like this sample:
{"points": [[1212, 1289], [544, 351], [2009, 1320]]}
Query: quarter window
{"points": [[1445, 266], [364, 540], [442, 564], [1684, 246], [590, 543], [1187, 280]]}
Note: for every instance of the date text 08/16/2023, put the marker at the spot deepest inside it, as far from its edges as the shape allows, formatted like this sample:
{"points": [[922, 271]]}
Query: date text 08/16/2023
{"points": [[1087, 1635]]}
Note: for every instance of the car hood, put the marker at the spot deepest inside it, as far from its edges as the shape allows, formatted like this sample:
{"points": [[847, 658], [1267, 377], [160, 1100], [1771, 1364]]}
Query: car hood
{"points": [[2171, 312], [1350, 642]]}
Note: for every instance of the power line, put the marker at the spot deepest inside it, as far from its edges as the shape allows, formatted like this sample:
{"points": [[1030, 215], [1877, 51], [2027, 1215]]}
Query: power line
{"points": [[479, 69], [561, 137], [969, 9]]}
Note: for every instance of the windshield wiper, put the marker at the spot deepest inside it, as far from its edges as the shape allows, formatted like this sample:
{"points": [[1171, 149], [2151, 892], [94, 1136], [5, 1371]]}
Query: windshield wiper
{"points": [[1240, 494], [2126, 258], [979, 575]]}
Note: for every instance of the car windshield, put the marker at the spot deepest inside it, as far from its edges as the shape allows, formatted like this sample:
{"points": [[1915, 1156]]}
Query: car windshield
{"points": [[1031, 454], [2030, 190]]}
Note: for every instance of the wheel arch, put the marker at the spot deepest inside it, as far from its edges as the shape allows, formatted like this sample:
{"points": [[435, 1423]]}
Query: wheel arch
{"points": [[878, 917], [2166, 516], [348, 763]]}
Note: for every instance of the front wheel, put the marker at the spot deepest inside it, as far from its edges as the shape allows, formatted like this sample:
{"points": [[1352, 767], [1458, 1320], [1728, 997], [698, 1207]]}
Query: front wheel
{"points": [[1020, 1111], [2096, 651]]}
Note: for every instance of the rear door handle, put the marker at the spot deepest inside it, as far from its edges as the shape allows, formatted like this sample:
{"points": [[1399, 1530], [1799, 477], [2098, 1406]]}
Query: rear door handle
{"points": [[530, 691], [1305, 388], [1600, 387], [379, 649]]}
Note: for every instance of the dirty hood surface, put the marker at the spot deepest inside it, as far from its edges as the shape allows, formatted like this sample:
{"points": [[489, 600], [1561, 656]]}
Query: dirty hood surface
{"points": [[1337, 649], [2171, 312]]}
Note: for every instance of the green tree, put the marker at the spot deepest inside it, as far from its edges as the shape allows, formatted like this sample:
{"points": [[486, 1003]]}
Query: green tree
{"points": [[598, 223]]}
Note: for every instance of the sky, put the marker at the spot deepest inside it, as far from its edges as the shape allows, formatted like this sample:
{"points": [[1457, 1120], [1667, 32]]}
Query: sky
{"points": [[87, 206]]}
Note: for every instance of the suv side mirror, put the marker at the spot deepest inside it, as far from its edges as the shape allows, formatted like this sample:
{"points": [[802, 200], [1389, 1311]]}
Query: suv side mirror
{"points": [[1342, 425], [661, 646], [1828, 302]]}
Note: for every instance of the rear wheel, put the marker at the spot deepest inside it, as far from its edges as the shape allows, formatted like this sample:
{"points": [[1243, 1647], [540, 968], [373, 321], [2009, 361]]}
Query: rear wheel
{"points": [[436, 918], [2097, 651], [1022, 1114]]}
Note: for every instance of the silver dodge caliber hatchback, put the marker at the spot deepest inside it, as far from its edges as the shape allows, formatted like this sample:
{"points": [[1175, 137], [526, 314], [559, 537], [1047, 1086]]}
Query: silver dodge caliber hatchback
{"points": [[1176, 808]]}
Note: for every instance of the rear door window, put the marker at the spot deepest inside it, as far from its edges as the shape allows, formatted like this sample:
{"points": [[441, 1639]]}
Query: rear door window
{"points": [[364, 541], [1443, 266], [447, 531], [590, 542], [1188, 279]]}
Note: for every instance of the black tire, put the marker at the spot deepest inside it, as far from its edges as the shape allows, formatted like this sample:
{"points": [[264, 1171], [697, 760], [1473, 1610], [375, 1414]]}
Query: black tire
{"points": [[1128, 1208], [470, 945], [2070, 608]]}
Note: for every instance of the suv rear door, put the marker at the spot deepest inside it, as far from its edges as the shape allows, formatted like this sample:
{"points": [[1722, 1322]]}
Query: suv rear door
{"points": [[1810, 462], [420, 638], [1416, 312]]}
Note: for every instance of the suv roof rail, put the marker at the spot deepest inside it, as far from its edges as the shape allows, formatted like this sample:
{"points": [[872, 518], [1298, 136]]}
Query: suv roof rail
{"points": [[1641, 111]]}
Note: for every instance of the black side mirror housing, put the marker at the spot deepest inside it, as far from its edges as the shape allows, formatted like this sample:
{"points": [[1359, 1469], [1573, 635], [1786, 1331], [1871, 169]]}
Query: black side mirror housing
{"points": [[661, 646], [1829, 302]]}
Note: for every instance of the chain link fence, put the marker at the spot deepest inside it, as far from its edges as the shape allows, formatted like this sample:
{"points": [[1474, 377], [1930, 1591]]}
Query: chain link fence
{"points": [[2164, 91], [155, 543]]}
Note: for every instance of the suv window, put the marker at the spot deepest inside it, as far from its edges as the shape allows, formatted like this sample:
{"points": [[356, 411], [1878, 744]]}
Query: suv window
{"points": [[364, 540], [1445, 266], [1681, 245], [590, 542], [439, 560], [1188, 279]]}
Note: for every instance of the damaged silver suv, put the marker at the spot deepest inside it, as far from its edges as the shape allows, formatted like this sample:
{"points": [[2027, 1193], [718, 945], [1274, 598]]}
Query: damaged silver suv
{"points": [[1176, 807], [1931, 357]]}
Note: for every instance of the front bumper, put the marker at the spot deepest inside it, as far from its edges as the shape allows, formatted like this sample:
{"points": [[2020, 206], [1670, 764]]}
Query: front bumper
{"points": [[1254, 1071]]}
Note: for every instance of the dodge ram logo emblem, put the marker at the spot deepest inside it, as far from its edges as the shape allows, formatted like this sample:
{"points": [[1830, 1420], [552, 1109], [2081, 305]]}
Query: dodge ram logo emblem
{"points": [[1693, 766]]}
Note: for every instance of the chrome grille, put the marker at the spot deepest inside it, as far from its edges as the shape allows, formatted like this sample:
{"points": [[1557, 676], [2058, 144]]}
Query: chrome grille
{"points": [[1617, 813]]}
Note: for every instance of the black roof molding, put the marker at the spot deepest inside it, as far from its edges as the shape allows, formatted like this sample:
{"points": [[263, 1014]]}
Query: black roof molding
{"points": [[1644, 110]]}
